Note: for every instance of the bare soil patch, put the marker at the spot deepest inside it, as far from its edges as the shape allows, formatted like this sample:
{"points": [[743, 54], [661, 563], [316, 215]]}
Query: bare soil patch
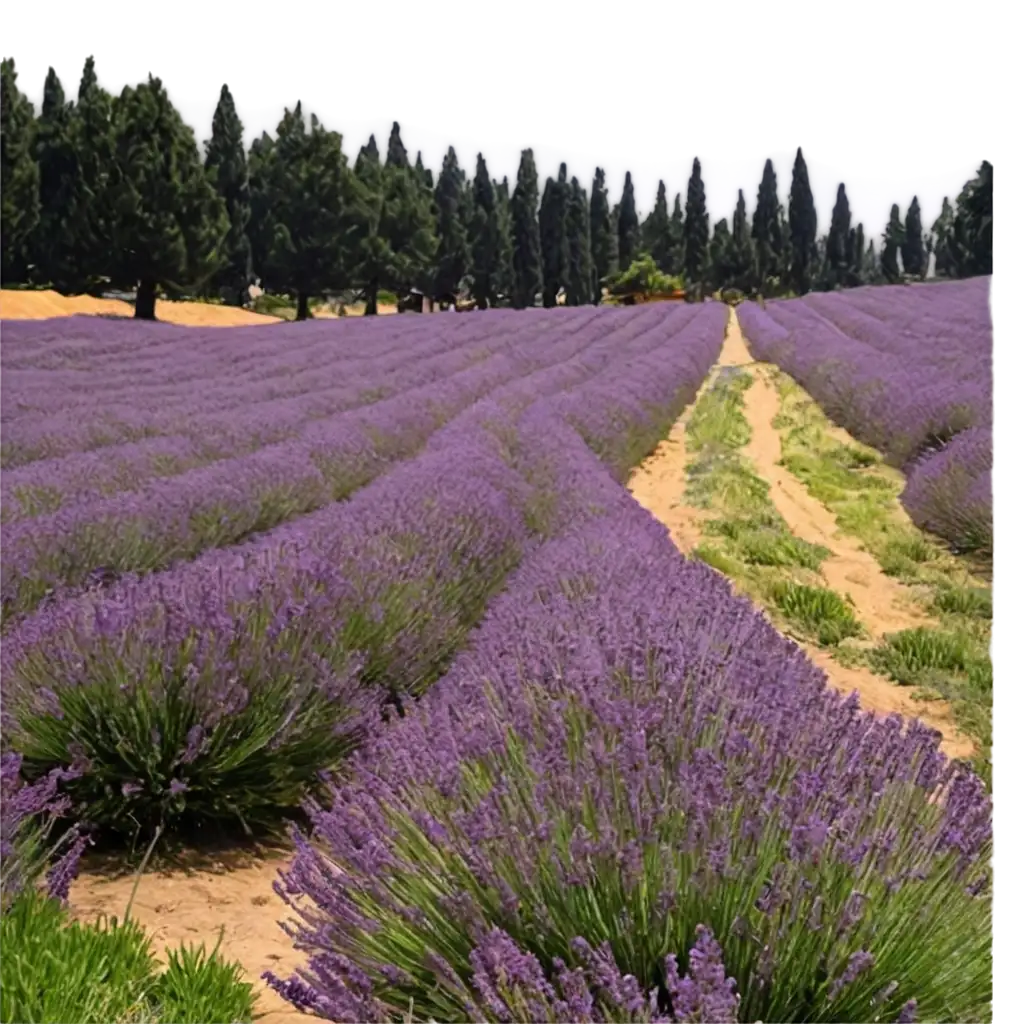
{"points": [[882, 603]]}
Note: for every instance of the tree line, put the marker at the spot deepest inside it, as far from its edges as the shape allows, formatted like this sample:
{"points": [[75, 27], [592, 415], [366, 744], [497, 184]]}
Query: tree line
{"points": [[113, 191]]}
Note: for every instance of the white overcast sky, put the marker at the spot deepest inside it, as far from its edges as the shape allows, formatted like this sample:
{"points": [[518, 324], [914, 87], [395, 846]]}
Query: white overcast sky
{"points": [[873, 180]]}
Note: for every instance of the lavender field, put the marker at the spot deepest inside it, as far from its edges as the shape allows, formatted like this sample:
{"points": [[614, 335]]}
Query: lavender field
{"points": [[377, 584], [908, 370]]}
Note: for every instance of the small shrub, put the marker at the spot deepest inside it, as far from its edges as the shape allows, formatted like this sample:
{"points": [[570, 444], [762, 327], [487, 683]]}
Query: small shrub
{"points": [[975, 602], [906, 655], [819, 610]]}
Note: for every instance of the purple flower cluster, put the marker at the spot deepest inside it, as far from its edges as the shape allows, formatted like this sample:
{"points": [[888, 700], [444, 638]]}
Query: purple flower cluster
{"points": [[908, 370], [624, 756], [28, 813], [331, 608]]}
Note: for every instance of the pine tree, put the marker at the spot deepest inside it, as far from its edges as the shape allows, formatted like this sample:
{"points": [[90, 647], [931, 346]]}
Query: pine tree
{"points": [[504, 277], [526, 256], [803, 227], [656, 232], [484, 236], [912, 247], [312, 202], [452, 235], [228, 169], [891, 243], [19, 177], [768, 234], [169, 225], [628, 225], [696, 233], [743, 260], [554, 243], [838, 257], [397, 155], [676, 230], [579, 283], [53, 243], [603, 246]]}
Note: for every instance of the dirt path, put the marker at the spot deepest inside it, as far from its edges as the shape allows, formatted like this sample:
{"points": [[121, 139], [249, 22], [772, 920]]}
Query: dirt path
{"points": [[191, 906], [882, 603]]}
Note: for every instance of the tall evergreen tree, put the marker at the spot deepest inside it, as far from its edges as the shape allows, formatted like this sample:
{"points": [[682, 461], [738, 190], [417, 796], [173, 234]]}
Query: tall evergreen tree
{"points": [[484, 236], [504, 277], [942, 232], [19, 174], [397, 155], [743, 262], [580, 273], [856, 248], [871, 272], [912, 248], [628, 225], [696, 232], [261, 221], [838, 256], [972, 225], [93, 139], [452, 234], [53, 246], [892, 241], [229, 171], [313, 208], [554, 242], [676, 226], [603, 245], [719, 265], [803, 227], [170, 224], [425, 174], [526, 261], [657, 235], [766, 230]]}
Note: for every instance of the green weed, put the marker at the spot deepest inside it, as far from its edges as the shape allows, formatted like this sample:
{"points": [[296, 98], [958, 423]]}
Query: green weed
{"points": [[818, 610]]}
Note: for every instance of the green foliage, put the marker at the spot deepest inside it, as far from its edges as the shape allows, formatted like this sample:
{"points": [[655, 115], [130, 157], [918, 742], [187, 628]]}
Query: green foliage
{"points": [[526, 255], [840, 254], [603, 246], [645, 276], [719, 256], [452, 234], [504, 274], [766, 540], [579, 284], [696, 234], [55, 970], [484, 237], [554, 240], [915, 261], [906, 655], [19, 172], [627, 224], [803, 227], [397, 157], [892, 242], [228, 170], [820, 611], [767, 233], [657, 232], [718, 421], [973, 602], [970, 243]]}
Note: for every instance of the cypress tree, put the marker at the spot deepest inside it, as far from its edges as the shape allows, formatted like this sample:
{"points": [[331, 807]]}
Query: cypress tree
{"points": [[602, 240], [261, 223], [743, 259], [452, 235], [169, 225], [891, 243], [720, 267], [628, 225], [229, 171], [504, 278], [526, 253], [838, 256], [93, 140], [972, 225], [19, 174], [397, 155], [580, 273], [53, 244], [856, 248], [767, 231], [696, 233], [656, 234], [803, 227], [676, 226], [871, 272], [484, 236], [912, 247], [553, 239], [425, 174], [942, 231]]}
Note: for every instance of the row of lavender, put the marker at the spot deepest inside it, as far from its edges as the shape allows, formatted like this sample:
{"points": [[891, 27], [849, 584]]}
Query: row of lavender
{"points": [[631, 799], [908, 370], [221, 688], [156, 521]]}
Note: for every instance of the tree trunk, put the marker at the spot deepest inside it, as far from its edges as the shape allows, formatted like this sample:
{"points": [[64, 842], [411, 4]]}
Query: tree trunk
{"points": [[302, 312], [145, 300], [371, 299]]}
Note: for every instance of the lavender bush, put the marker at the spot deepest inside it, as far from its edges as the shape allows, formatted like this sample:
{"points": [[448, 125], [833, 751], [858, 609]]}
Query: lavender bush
{"points": [[907, 370], [631, 799]]}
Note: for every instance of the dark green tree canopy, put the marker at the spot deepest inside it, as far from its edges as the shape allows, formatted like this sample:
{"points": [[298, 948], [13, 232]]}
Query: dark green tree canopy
{"points": [[19, 174], [452, 235], [484, 236], [579, 284], [838, 254], [603, 245], [803, 227], [770, 239], [554, 241], [676, 227], [504, 276], [526, 254], [742, 264], [628, 224], [397, 155], [696, 232], [912, 248], [891, 244], [657, 233]]}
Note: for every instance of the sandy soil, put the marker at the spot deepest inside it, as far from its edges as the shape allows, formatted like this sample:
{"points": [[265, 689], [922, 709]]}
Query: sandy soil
{"points": [[191, 906], [882, 603]]}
